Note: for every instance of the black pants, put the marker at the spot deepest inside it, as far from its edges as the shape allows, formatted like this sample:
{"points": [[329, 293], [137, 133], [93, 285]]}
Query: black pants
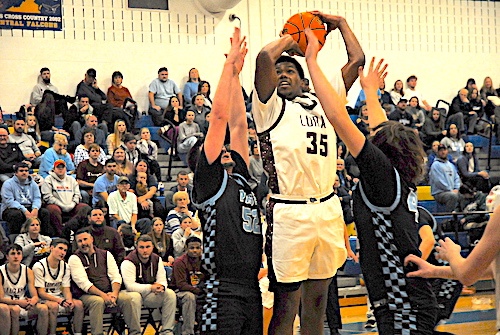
{"points": [[332, 306], [15, 219], [425, 321]]}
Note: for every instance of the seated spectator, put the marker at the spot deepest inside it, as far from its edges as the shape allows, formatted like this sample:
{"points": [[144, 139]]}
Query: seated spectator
{"points": [[397, 91], [104, 111], [124, 167], [400, 115], [180, 235], [115, 139], [57, 152], [174, 112], [43, 85], [15, 294], [433, 129], [204, 89], [483, 126], [45, 113], [255, 167], [385, 97], [26, 143], [418, 114], [160, 91], [61, 195], [130, 145], [461, 113], [35, 245], [345, 180], [143, 272], [87, 172], [149, 150], [432, 153], [82, 151], [187, 282], [106, 237], [21, 200], [141, 189], [89, 121], [106, 183], [162, 244], [444, 180], [79, 221], [191, 86], [152, 185], [454, 142], [472, 201], [199, 108], [33, 129], [189, 133], [362, 121], [76, 116], [97, 285], [362, 99], [183, 184], [123, 208], [206, 123], [181, 201], [119, 96], [10, 155], [345, 197], [488, 90], [55, 289], [468, 169]]}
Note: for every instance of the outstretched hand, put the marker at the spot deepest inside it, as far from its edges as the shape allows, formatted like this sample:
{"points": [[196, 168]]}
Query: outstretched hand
{"points": [[372, 79], [446, 248], [425, 269], [313, 45], [238, 51]]}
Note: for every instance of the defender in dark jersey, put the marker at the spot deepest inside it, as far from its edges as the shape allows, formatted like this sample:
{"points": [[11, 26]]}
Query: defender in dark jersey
{"points": [[385, 203], [232, 238]]}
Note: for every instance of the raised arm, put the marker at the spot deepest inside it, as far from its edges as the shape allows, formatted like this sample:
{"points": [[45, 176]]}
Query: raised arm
{"points": [[227, 105], [266, 78], [355, 54], [330, 100]]}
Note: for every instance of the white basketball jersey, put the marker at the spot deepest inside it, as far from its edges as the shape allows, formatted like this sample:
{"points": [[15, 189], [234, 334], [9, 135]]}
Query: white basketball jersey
{"points": [[14, 287], [51, 279], [298, 145]]}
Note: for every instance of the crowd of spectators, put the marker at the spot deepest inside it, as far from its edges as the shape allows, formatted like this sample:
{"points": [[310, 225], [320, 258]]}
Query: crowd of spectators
{"points": [[99, 175]]}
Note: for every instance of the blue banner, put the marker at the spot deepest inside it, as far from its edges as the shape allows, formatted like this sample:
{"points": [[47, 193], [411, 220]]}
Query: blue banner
{"points": [[31, 14]]}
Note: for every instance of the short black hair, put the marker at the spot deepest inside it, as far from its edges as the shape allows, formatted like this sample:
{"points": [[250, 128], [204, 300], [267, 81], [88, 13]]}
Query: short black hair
{"points": [[84, 230], [19, 165], [83, 95], [116, 74], [144, 238], [14, 246], [109, 161], [192, 239], [288, 59], [161, 69], [59, 240], [43, 69], [411, 77]]}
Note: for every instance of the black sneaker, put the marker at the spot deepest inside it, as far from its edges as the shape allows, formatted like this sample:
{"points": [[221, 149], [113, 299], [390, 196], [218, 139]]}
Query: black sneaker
{"points": [[334, 331], [371, 324]]}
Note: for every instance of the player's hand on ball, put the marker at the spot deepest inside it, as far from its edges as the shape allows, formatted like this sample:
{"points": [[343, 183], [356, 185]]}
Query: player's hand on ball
{"points": [[313, 45], [371, 80], [332, 21]]}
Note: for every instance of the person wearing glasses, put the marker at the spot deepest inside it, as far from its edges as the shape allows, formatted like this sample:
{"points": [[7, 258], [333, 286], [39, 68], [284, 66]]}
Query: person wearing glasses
{"points": [[58, 151]]}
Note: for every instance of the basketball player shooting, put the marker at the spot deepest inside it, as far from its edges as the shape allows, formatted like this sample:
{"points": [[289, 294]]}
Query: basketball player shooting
{"points": [[305, 234]]}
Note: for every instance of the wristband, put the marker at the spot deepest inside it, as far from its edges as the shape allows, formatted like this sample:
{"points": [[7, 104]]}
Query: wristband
{"points": [[62, 302]]}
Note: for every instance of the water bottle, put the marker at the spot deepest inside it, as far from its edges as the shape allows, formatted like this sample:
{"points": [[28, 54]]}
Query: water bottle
{"points": [[161, 188]]}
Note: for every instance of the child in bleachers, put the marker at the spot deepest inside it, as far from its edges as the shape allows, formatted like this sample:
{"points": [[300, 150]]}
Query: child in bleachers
{"points": [[141, 188], [180, 235]]}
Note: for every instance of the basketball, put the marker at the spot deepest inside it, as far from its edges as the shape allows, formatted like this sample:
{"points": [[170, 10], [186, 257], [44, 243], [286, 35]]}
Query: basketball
{"points": [[296, 25]]}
